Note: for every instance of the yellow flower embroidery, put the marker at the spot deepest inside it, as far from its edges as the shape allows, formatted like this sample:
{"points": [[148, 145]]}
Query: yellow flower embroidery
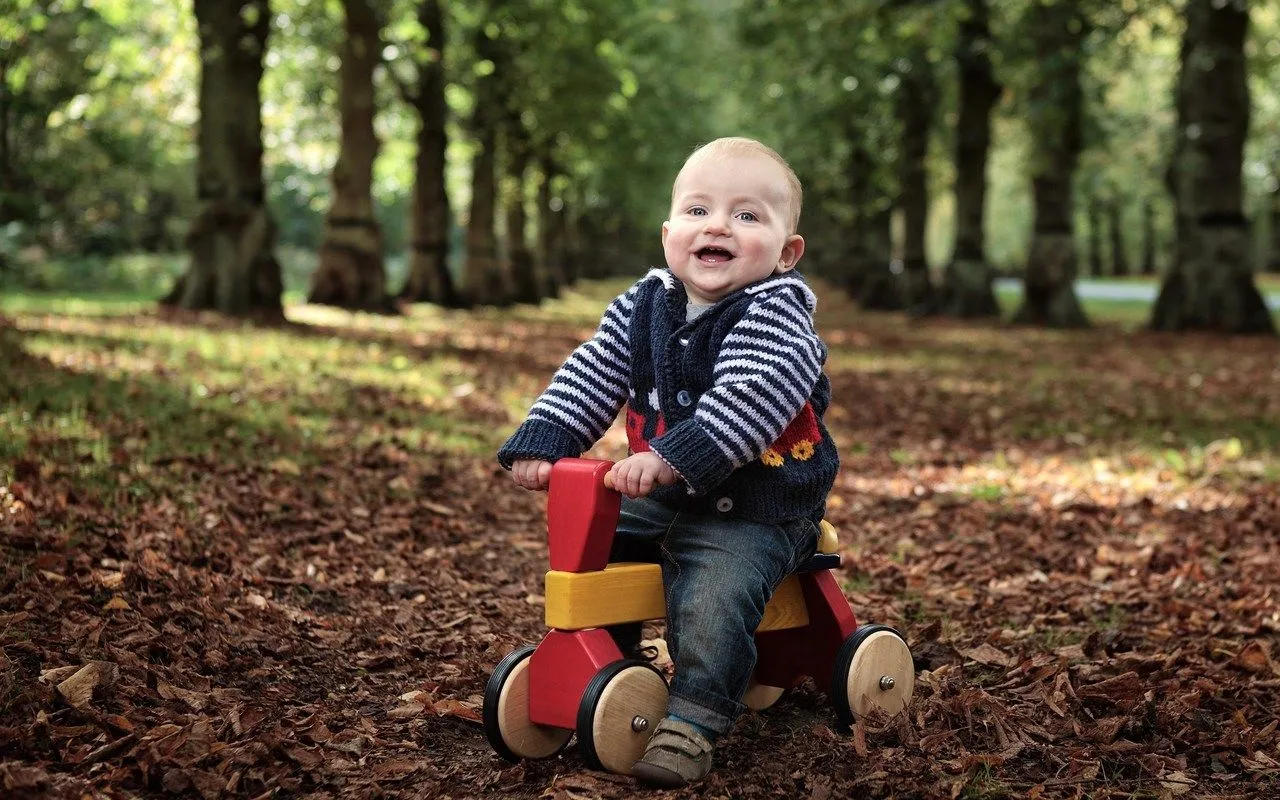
{"points": [[802, 450], [771, 457]]}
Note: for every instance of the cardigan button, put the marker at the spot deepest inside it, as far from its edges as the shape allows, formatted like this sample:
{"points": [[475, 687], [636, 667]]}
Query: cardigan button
{"points": [[724, 505], [684, 398]]}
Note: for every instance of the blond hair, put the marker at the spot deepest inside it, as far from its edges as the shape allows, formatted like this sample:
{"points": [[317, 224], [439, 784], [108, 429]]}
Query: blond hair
{"points": [[729, 146]]}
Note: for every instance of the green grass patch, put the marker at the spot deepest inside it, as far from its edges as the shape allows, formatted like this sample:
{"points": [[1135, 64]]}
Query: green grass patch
{"points": [[1127, 314], [983, 784]]}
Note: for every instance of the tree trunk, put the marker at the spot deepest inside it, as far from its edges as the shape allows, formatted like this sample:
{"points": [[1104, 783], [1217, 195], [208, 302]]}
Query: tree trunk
{"points": [[571, 235], [590, 249], [551, 227], [350, 272], [233, 269], [1055, 116], [859, 182], [1093, 211], [1115, 228], [916, 99], [881, 288], [1273, 227], [7, 211], [1211, 285], [429, 279], [524, 275], [1148, 238], [967, 283], [153, 236], [483, 278]]}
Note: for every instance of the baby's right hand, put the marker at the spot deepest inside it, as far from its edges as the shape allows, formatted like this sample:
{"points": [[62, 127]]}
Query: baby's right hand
{"points": [[532, 473]]}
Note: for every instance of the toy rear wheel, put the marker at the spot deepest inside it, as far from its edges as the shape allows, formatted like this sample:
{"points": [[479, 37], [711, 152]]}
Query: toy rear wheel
{"points": [[760, 696], [873, 670], [619, 710], [507, 726]]}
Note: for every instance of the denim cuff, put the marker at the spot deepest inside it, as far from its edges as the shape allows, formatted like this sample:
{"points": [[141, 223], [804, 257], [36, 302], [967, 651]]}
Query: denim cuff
{"points": [[718, 718]]}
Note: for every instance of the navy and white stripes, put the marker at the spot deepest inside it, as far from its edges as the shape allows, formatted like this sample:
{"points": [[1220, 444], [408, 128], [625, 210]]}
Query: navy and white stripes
{"points": [[766, 369], [712, 396], [589, 388]]}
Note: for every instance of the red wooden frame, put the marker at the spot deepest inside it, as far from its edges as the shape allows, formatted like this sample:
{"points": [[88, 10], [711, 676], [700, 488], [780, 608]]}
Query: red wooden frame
{"points": [[784, 657], [560, 669], [581, 515]]}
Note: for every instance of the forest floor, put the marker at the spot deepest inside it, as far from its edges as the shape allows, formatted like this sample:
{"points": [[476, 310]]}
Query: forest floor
{"points": [[250, 563]]}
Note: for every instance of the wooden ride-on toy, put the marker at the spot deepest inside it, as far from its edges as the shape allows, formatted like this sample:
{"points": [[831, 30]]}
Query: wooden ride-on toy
{"points": [[577, 680]]}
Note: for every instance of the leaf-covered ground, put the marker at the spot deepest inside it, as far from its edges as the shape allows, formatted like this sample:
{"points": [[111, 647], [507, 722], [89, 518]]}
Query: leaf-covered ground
{"points": [[248, 563]]}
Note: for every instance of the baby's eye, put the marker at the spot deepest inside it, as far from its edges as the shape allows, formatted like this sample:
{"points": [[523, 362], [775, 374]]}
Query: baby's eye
{"points": [[698, 211], [748, 216]]}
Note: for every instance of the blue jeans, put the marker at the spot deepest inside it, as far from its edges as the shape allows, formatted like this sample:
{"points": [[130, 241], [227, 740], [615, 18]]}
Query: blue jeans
{"points": [[717, 575]]}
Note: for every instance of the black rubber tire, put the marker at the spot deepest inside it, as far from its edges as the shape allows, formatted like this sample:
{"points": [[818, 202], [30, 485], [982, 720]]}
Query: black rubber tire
{"points": [[591, 698], [840, 673], [492, 695]]}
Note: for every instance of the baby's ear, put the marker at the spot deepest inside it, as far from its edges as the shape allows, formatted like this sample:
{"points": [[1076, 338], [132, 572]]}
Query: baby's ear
{"points": [[791, 253]]}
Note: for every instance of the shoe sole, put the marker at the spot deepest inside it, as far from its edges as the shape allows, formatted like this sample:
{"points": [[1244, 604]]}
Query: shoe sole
{"points": [[657, 776]]}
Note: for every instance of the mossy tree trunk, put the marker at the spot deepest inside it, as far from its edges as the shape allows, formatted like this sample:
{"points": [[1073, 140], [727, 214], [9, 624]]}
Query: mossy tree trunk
{"points": [[1211, 285], [233, 268], [1055, 117], [350, 272], [967, 290], [917, 96], [429, 279]]}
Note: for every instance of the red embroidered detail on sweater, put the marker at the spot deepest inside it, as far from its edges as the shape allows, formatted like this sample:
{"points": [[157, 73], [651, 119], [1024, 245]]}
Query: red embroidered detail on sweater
{"points": [[798, 440], [635, 431]]}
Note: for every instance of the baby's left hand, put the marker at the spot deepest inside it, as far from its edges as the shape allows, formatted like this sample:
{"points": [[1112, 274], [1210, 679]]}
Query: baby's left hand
{"points": [[636, 475]]}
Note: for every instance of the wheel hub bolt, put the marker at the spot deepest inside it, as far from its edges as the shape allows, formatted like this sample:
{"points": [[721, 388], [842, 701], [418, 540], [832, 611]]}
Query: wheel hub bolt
{"points": [[886, 683], [639, 724]]}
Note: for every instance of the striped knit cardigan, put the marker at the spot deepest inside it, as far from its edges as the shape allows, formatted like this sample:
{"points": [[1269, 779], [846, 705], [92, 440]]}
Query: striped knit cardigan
{"points": [[733, 400]]}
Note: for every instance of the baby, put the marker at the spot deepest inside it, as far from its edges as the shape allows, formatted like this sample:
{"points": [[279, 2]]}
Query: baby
{"points": [[720, 367]]}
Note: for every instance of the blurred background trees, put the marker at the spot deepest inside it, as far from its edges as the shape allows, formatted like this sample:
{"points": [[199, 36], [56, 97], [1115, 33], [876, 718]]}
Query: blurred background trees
{"points": [[495, 151]]}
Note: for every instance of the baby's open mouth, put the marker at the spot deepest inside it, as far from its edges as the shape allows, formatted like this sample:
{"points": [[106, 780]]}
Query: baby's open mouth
{"points": [[714, 255]]}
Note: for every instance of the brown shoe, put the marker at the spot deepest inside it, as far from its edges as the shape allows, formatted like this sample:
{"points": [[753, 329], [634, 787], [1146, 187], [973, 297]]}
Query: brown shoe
{"points": [[677, 755]]}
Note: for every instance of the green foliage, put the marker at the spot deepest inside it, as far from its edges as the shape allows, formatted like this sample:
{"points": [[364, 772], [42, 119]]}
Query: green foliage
{"points": [[98, 121], [100, 99]]}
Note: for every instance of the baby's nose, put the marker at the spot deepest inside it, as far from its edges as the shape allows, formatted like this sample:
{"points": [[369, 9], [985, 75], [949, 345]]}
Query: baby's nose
{"points": [[716, 223]]}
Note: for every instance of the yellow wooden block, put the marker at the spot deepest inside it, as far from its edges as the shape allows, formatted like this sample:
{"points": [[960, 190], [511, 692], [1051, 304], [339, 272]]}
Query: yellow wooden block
{"points": [[632, 592], [827, 540], [786, 608], [622, 592]]}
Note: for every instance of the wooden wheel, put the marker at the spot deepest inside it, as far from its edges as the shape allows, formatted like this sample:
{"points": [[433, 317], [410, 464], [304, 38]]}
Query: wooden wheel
{"points": [[620, 708], [507, 726], [760, 696], [873, 670]]}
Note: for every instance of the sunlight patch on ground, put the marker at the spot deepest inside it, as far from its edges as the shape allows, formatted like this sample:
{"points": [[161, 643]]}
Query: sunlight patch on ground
{"points": [[1019, 479]]}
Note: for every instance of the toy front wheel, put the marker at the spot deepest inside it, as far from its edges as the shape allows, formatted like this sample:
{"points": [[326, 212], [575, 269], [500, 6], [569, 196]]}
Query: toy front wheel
{"points": [[619, 710], [873, 670], [507, 726]]}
